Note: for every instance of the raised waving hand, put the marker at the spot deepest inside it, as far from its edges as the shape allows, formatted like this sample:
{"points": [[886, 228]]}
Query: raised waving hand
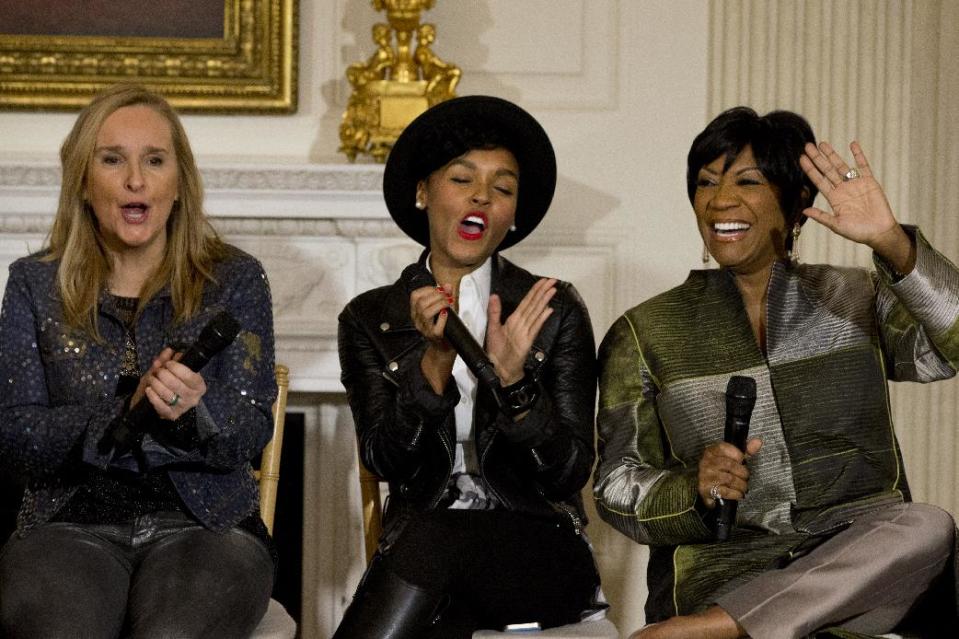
{"points": [[860, 210]]}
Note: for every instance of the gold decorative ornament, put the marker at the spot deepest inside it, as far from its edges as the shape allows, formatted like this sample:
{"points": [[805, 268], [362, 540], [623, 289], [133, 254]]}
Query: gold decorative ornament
{"points": [[251, 68], [396, 83]]}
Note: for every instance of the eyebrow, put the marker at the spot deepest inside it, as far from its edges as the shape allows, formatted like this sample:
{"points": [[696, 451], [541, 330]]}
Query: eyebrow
{"points": [[470, 165], [739, 172], [116, 148]]}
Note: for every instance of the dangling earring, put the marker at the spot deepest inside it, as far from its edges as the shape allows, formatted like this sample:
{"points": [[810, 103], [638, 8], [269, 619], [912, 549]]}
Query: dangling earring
{"points": [[705, 254], [793, 252]]}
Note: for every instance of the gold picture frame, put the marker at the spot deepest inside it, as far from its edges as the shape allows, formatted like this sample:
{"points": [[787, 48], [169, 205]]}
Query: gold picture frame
{"points": [[250, 69]]}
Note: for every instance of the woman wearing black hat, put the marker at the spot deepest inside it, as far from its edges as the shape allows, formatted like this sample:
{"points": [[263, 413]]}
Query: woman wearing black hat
{"points": [[484, 524]]}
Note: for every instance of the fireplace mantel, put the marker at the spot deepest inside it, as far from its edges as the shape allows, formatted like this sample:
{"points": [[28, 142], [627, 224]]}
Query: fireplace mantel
{"points": [[323, 234]]}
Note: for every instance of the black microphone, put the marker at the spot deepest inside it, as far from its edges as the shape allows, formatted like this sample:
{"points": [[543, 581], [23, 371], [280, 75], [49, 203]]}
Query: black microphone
{"points": [[740, 399], [456, 333], [218, 333]]}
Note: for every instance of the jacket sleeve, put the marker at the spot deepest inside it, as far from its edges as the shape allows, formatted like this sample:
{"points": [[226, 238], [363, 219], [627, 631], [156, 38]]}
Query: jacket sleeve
{"points": [[36, 437], [234, 418], [919, 316], [640, 488], [558, 430], [392, 409]]}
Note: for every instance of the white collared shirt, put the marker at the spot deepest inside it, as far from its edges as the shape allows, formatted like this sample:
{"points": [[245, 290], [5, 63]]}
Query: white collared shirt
{"points": [[474, 292]]}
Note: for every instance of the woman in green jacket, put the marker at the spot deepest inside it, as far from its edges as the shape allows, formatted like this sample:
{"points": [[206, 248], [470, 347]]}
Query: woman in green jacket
{"points": [[820, 484]]}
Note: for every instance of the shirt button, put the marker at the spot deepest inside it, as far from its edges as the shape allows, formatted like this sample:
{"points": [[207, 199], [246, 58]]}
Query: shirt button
{"points": [[540, 356], [385, 326], [393, 366]]}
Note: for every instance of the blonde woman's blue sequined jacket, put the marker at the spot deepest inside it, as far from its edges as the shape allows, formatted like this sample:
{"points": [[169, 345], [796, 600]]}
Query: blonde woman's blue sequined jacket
{"points": [[834, 337], [58, 390]]}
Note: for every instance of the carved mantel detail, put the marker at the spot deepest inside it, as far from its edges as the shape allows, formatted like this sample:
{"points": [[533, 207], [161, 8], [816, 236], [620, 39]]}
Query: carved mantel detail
{"points": [[323, 234]]}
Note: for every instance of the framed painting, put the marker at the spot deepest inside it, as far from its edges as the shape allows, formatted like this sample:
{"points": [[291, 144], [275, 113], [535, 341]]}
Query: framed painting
{"points": [[226, 56]]}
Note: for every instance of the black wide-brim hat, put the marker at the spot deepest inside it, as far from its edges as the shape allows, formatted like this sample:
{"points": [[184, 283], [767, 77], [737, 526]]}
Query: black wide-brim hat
{"points": [[450, 129]]}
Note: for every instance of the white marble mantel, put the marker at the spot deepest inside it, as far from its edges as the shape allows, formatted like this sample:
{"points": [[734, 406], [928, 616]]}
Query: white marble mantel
{"points": [[313, 227]]}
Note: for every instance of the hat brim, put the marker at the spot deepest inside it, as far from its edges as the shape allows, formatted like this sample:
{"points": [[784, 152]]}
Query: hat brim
{"points": [[415, 155]]}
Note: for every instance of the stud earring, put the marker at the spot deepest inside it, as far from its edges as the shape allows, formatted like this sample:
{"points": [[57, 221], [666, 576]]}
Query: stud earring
{"points": [[793, 252], [512, 227], [705, 254], [420, 205]]}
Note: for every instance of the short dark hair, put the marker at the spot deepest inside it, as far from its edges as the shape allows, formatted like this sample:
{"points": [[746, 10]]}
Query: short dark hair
{"points": [[777, 140]]}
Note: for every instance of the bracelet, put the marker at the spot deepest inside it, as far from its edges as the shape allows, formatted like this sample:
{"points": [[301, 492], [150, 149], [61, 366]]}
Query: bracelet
{"points": [[519, 397]]}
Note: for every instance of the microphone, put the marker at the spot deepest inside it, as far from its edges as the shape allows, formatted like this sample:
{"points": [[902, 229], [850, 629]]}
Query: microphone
{"points": [[740, 399], [456, 333], [218, 333]]}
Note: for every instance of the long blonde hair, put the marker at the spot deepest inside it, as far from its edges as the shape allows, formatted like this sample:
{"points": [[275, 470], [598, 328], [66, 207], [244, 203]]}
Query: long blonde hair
{"points": [[193, 246]]}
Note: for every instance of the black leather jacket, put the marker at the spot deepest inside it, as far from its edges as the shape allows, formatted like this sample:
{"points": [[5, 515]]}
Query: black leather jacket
{"points": [[407, 433]]}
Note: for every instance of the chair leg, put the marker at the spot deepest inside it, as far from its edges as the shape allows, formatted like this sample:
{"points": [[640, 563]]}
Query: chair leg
{"points": [[387, 607]]}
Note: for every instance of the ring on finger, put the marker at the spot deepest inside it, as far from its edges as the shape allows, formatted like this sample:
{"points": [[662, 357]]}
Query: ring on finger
{"points": [[714, 491], [173, 400], [851, 174]]}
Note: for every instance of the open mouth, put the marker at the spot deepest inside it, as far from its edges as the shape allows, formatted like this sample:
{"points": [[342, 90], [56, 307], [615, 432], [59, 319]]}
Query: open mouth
{"points": [[472, 226], [134, 212], [730, 229]]}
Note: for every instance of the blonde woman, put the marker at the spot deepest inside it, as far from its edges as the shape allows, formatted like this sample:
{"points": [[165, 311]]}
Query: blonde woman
{"points": [[138, 522]]}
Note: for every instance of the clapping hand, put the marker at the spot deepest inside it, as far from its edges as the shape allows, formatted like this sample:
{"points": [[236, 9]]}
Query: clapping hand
{"points": [[509, 343]]}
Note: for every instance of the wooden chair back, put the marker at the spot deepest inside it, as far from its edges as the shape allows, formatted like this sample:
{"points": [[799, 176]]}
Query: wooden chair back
{"points": [[268, 476]]}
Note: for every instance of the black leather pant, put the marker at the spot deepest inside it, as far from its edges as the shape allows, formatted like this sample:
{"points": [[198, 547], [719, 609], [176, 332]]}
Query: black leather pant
{"points": [[162, 576], [455, 571]]}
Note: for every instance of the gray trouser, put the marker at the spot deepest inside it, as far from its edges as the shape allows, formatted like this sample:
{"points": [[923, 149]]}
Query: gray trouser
{"points": [[865, 578], [163, 576]]}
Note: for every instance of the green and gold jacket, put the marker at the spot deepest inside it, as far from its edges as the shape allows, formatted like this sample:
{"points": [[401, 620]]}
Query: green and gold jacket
{"points": [[834, 338]]}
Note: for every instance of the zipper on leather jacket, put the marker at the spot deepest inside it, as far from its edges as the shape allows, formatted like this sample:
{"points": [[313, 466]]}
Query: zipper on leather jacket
{"points": [[482, 466], [573, 516], [449, 471], [536, 457]]}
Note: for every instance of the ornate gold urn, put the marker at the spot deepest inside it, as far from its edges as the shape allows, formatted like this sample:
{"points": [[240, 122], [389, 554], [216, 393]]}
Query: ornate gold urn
{"points": [[396, 83]]}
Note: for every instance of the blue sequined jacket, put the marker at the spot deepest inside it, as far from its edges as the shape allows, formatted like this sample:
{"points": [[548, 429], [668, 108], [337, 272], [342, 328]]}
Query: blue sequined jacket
{"points": [[59, 386]]}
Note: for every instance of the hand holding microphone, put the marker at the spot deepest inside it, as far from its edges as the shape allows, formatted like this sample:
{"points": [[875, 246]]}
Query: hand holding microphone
{"points": [[502, 370], [723, 476], [428, 302], [171, 386]]}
